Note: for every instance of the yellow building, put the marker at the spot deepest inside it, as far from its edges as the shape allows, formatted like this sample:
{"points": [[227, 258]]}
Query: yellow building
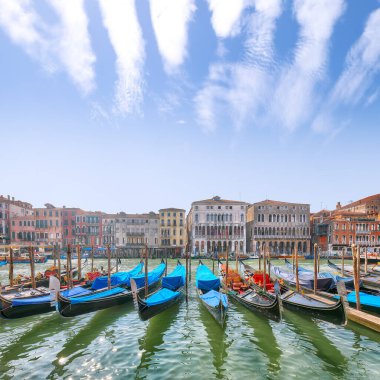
{"points": [[173, 229]]}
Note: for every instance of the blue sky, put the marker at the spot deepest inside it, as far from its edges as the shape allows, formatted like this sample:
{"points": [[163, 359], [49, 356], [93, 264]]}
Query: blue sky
{"points": [[139, 105]]}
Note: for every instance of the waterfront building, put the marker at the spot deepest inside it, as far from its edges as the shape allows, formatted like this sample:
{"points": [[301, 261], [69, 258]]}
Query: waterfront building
{"points": [[172, 230], [282, 226], [88, 228], [108, 226], [48, 224], [213, 223], [355, 223]]}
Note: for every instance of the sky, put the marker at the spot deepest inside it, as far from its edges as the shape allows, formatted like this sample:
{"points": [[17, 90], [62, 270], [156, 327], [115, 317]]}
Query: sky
{"points": [[122, 105]]}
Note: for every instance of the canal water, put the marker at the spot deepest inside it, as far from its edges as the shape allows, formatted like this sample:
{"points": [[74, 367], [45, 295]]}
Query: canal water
{"points": [[183, 343]]}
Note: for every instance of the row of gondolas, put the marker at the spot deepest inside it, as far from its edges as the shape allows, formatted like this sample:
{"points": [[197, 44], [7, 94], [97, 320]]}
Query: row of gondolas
{"points": [[262, 291]]}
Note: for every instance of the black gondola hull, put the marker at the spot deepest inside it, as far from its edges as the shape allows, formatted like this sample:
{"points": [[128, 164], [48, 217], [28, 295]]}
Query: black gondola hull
{"points": [[218, 312], [272, 310], [146, 312], [67, 309], [13, 312]]}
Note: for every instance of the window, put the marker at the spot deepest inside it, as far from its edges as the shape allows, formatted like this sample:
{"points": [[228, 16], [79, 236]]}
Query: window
{"points": [[196, 218], [242, 217]]}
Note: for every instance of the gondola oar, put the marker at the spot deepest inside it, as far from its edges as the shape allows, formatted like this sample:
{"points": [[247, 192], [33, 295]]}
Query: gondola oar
{"points": [[343, 253], [187, 273], [265, 269], [92, 259], [297, 278]]}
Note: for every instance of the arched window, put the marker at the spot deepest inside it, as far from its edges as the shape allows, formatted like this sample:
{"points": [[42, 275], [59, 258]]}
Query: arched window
{"points": [[259, 218], [255, 231], [270, 218], [278, 218], [286, 218]]}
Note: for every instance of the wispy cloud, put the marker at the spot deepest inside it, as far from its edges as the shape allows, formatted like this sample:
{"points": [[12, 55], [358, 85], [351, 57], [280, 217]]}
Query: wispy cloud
{"points": [[22, 24], [170, 21], [225, 16], [353, 85], [242, 87], [74, 46], [121, 22], [294, 98]]}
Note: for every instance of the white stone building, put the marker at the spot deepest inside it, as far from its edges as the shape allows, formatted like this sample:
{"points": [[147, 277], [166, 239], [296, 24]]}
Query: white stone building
{"points": [[214, 223]]}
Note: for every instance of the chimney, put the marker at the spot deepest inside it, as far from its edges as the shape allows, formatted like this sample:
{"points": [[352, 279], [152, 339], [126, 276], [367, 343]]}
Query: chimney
{"points": [[338, 206], [13, 199], [9, 197]]}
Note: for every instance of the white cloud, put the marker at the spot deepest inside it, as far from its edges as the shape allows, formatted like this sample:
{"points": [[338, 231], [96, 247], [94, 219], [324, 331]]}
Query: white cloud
{"points": [[225, 16], [170, 21], [295, 97], [242, 89], [121, 22], [21, 23], [74, 47], [362, 64]]}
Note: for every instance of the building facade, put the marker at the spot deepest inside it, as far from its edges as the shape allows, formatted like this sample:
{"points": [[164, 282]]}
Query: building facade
{"points": [[214, 223], [355, 223], [173, 230], [282, 226], [48, 223]]}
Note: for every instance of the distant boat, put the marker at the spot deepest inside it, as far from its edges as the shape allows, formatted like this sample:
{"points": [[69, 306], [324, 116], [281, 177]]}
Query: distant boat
{"points": [[25, 259], [170, 293], [210, 295]]}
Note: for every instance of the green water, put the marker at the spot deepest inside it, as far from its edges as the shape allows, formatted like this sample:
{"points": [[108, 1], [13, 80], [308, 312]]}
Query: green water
{"points": [[183, 342]]}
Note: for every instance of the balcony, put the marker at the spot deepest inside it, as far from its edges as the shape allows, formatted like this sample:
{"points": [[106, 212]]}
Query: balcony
{"points": [[281, 237]]}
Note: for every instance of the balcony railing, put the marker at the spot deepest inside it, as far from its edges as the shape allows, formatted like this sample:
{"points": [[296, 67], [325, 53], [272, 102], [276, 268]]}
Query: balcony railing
{"points": [[280, 237], [219, 237]]}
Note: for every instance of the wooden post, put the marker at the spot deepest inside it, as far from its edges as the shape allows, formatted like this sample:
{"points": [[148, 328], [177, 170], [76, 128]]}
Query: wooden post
{"points": [[55, 255], [358, 261], [117, 259], [189, 266], [146, 271], [213, 265], [227, 263], [32, 273], [315, 267], [365, 260], [296, 258], [11, 266], [265, 268], [109, 266], [59, 264], [237, 257], [92, 258], [79, 262], [356, 257], [69, 270], [187, 273], [166, 263], [293, 258], [260, 247], [343, 253]]}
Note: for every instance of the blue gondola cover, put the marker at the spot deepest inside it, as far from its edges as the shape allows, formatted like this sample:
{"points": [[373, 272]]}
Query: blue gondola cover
{"points": [[175, 279], [93, 297], [365, 299], [45, 299], [153, 276], [206, 280], [162, 296], [120, 278], [213, 298]]}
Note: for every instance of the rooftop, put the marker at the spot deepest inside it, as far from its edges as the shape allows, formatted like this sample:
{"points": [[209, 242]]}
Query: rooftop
{"points": [[216, 200]]}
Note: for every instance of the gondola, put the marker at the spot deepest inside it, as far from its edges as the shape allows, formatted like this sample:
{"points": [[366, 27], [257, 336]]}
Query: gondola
{"points": [[370, 281], [306, 279], [348, 281], [170, 293], [39, 301], [368, 302], [296, 301], [253, 299], [102, 299], [2, 263], [210, 295]]}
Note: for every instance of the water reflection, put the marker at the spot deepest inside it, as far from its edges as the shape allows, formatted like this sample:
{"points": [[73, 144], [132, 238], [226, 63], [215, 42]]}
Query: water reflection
{"points": [[217, 340], [76, 346], [264, 340], [42, 327], [153, 339], [305, 327]]}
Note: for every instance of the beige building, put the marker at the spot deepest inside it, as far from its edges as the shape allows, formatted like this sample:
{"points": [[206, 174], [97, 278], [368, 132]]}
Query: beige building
{"points": [[173, 229], [280, 225], [214, 223]]}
